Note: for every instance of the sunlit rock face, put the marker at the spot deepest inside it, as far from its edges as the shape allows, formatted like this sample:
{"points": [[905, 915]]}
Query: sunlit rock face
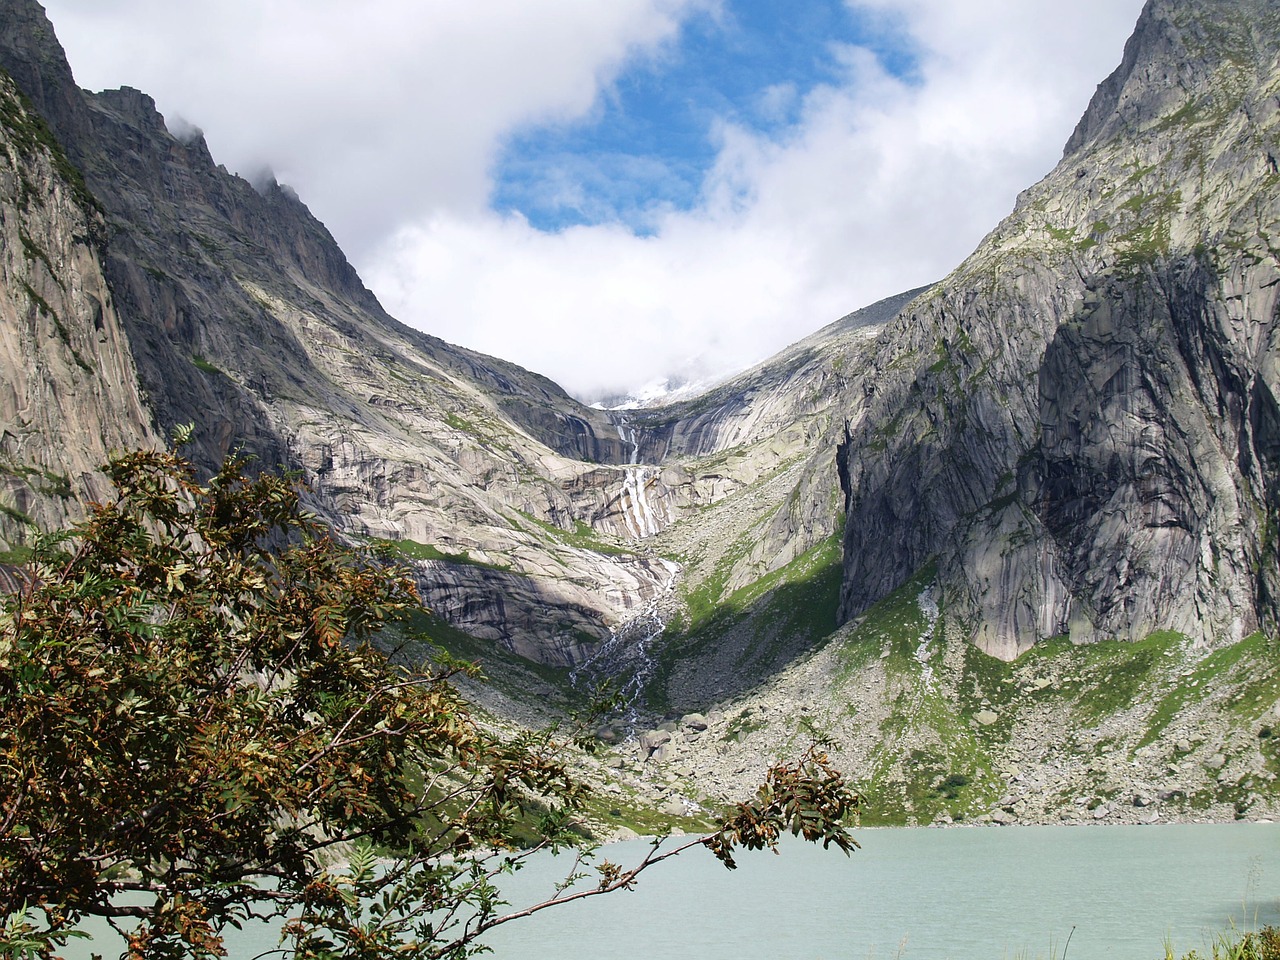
{"points": [[1080, 423], [68, 385], [1078, 427]]}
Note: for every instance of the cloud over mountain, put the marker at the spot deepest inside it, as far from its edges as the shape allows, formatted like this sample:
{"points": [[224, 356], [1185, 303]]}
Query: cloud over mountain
{"points": [[393, 125]]}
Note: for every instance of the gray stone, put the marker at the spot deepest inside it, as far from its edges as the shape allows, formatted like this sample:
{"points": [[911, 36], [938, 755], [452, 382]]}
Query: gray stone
{"points": [[1062, 491], [609, 734], [651, 739], [695, 721], [662, 753]]}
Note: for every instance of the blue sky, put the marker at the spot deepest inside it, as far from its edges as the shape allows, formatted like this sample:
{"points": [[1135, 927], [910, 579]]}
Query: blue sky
{"points": [[618, 192], [654, 133]]}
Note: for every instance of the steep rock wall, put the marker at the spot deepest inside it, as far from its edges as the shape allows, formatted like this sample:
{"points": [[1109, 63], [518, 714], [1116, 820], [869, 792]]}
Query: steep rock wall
{"points": [[1077, 423], [69, 393]]}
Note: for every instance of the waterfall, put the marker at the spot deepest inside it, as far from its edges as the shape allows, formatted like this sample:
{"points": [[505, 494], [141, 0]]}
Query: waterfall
{"points": [[638, 515]]}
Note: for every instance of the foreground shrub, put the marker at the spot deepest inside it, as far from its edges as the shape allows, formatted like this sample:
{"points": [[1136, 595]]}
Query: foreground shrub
{"points": [[192, 713]]}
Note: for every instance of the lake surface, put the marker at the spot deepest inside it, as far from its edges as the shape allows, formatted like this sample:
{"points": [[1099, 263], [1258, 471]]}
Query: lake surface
{"points": [[921, 894], [917, 894]]}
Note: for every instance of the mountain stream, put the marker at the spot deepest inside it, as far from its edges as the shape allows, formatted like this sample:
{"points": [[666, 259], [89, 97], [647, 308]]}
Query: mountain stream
{"points": [[624, 660]]}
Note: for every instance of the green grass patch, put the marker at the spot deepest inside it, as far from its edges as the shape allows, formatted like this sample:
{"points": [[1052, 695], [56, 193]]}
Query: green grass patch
{"points": [[48, 482], [411, 641], [13, 513], [29, 132], [582, 536], [795, 613], [797, 600], [743, 725], [893, 624], [703, 601], [630, 811], [1116, 674], [462, 424], [951, 775], [785, 612], [200, 363], [34, 252], [42, 306], [413, 550], [17, 556], [1251, 668]]}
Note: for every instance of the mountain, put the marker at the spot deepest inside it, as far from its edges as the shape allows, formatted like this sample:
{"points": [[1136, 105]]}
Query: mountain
{"points": [[1009, 541], [528, 515], [69, 371], [1079, 425], [1057, 581]]}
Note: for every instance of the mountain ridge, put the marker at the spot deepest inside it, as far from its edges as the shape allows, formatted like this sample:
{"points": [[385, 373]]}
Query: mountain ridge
{"points": [[1040, 495], [245, 319]]}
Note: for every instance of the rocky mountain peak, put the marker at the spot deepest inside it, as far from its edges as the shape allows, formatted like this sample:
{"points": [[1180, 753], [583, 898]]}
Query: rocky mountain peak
{"points": [[1076, 434], [36, 61], [977, 429], [1175, 59]]}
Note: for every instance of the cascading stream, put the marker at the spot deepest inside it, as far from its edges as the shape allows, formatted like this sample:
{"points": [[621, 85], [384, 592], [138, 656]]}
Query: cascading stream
{"points": [[624, 658]]}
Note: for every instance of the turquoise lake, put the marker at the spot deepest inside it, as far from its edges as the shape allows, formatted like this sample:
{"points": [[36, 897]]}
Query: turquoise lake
{"points": [[1118, 893], [922, 894]]}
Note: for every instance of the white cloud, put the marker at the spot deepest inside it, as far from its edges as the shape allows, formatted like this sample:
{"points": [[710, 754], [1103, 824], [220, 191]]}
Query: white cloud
{"points": [[387, 121], [375, 112], [882, 185]]}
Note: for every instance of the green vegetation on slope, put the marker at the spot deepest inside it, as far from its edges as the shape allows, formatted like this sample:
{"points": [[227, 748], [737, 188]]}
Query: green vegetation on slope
{"points": [[786, 612], [413, 550], [950, 722]]}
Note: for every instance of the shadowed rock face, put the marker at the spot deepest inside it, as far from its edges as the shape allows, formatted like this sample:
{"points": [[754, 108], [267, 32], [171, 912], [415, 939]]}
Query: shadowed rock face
{"points": [[1079, 426], [1080, 422]]}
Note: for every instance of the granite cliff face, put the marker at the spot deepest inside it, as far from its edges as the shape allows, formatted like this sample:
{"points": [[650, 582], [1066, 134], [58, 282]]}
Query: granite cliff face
{"points": [[1079, 425], [68, 388], [1075, 435]]}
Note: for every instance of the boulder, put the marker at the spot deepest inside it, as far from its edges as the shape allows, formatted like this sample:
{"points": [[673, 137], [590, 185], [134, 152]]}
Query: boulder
{"points": [[651, 740], [695, 721]]}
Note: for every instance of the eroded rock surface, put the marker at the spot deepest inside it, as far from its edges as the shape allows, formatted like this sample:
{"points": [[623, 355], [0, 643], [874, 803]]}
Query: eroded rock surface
{"points": [[68, 389]]}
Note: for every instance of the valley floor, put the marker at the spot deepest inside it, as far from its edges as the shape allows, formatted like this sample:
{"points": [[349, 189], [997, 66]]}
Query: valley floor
{"points": [[934, 732]]}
